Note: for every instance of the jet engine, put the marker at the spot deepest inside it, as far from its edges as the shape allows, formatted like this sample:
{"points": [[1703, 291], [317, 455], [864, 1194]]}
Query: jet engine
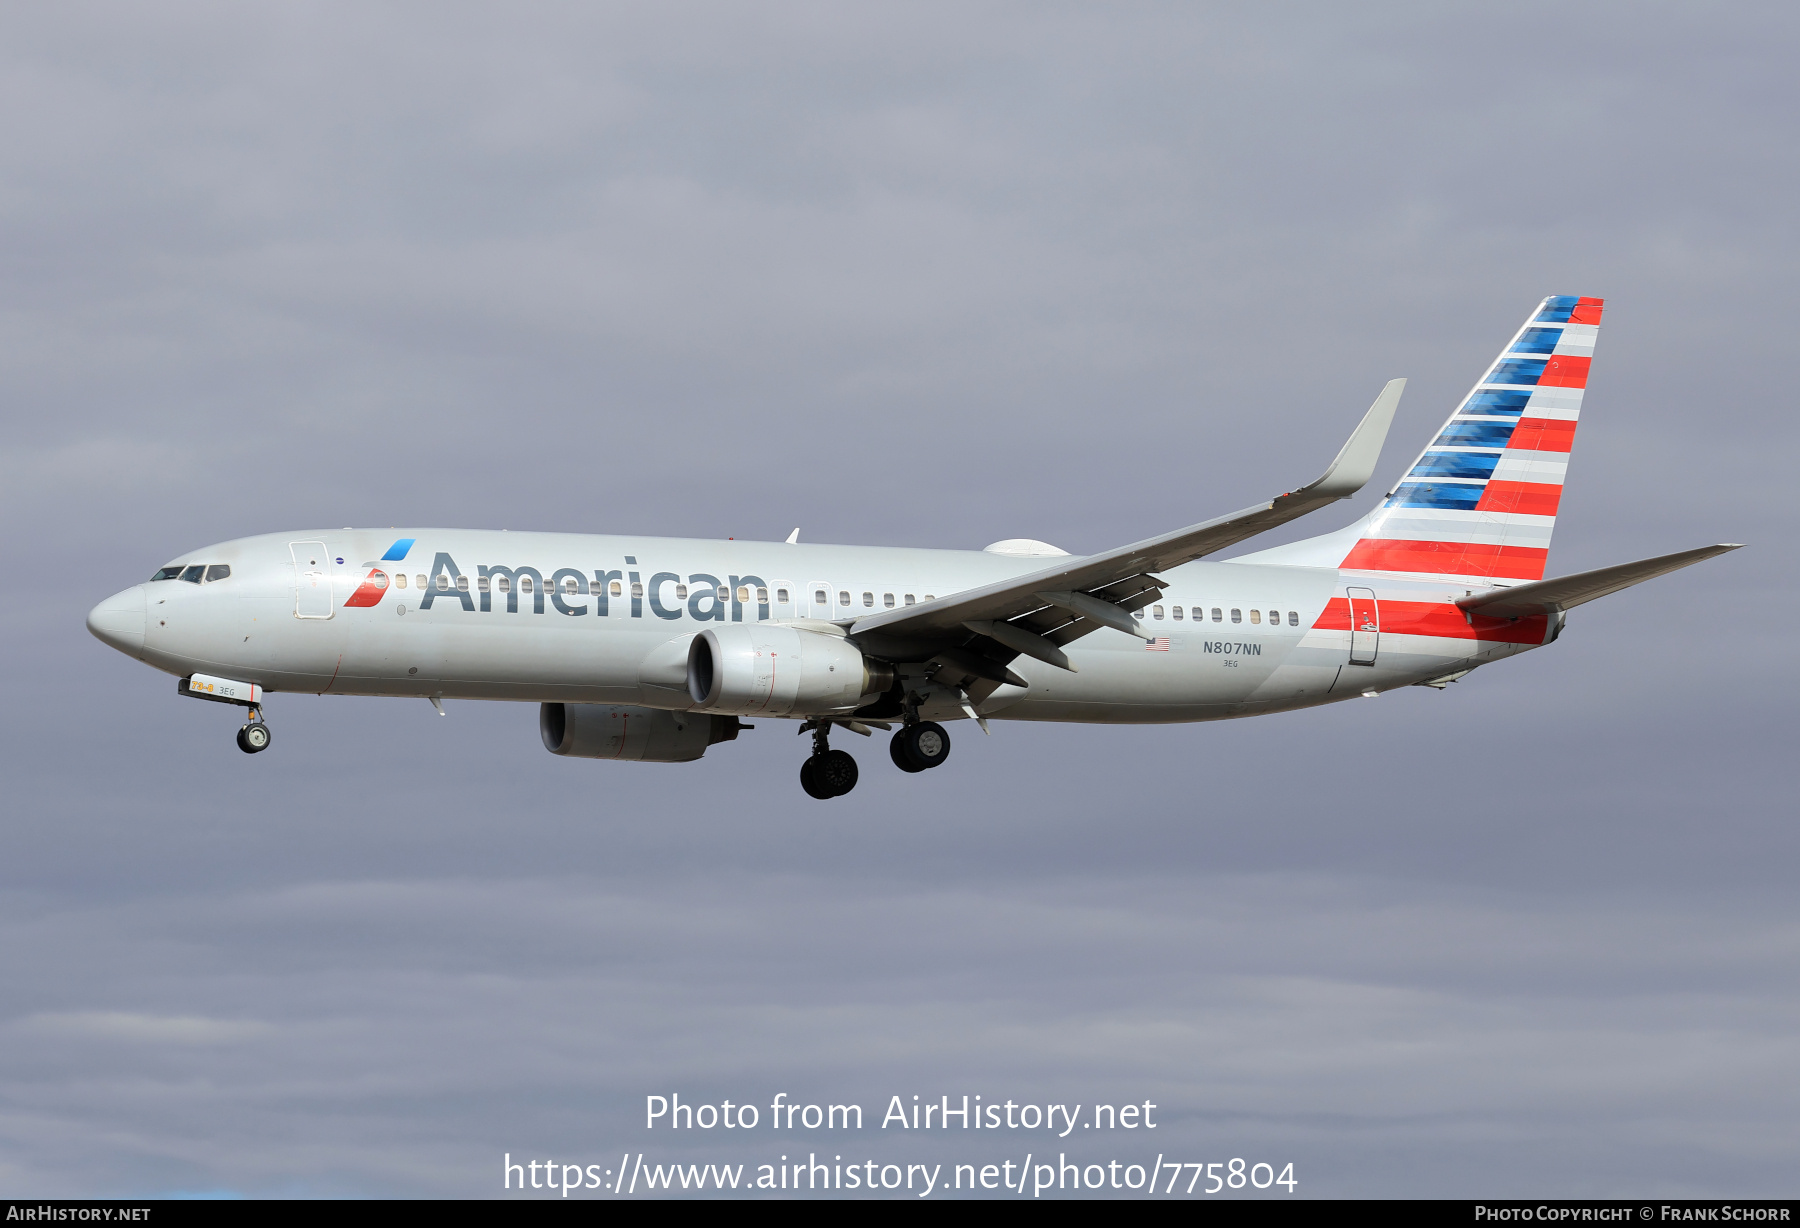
{"points": [[624, 731], [773, 670]]}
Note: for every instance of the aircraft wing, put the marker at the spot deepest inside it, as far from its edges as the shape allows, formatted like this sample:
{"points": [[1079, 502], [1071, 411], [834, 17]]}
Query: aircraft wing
{"points": [[1565, 592], [1037, 613]]}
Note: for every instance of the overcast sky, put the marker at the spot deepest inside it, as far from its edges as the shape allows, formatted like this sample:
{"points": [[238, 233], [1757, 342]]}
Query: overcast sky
{"points": [[913, 274]]}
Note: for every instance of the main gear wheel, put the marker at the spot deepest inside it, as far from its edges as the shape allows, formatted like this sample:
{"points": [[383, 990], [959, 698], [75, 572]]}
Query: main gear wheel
{"points": [[916, 748]]}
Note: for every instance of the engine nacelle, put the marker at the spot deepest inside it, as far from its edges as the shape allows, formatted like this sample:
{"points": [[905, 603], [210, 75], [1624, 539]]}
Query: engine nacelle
{"points": [[769, 669], [625, 731]]}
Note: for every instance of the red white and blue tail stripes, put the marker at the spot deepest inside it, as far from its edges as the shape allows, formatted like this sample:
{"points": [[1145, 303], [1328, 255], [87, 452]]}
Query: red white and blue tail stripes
{"points": [[1480, 502]]}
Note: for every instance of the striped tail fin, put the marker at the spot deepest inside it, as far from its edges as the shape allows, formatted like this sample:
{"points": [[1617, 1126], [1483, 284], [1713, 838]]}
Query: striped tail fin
{"points": [[1480, 502]]}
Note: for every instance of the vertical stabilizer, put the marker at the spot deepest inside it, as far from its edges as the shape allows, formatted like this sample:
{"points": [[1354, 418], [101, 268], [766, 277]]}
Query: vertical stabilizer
{"points": [[1480, 503]]}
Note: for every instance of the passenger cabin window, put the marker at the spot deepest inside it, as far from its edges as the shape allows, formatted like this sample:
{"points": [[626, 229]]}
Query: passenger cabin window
{"points": [[869, 599], [571, 586], [781, 596], [1176, 611], [193, 574], [484, 584], [744, 594], [443, 582], [887, 600], [218, 571], [167, 573], [1156, 612], [929, 597], [819, 597], [506, 584], [1293, 618], [1218, 614], [909, 599], [681, 592], [1255, 616], [462, 584], [421, 580], [843, 597], [1237, 616], [637, 588], [400, 579], [616, 589], [762, 595]]}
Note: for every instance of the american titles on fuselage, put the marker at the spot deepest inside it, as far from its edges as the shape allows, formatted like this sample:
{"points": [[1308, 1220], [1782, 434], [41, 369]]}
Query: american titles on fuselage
{"points": [[702, 596]]}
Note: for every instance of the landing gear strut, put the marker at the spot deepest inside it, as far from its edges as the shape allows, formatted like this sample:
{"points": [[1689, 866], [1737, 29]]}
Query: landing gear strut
{"points": [[826, 773], [254, 736]]}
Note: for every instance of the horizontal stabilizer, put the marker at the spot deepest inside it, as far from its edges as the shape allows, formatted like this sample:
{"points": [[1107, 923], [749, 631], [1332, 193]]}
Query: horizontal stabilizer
{"points": [[1551, 596]]}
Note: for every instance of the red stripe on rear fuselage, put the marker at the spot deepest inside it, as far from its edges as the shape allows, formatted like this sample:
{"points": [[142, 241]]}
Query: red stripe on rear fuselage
{"points": [[1438, 618]]}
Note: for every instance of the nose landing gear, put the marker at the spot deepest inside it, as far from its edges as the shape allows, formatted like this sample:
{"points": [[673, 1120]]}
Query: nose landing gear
{"points": [[254, 736], [826, 773]]}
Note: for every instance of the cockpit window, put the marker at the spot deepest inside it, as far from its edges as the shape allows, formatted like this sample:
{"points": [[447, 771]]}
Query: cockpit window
{"points": [[168, 573], [194, 574], [218, 571]]}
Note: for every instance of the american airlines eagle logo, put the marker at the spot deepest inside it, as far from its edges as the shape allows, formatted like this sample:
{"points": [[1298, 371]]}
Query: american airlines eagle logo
{"points": [[375, 584]]}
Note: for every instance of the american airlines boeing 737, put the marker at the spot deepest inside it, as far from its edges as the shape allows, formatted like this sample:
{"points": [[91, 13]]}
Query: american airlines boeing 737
{"points": [[655, 649]]}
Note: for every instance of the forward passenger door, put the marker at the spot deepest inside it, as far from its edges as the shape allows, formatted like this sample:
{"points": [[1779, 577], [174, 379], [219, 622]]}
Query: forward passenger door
{"points": [[312, 579]]}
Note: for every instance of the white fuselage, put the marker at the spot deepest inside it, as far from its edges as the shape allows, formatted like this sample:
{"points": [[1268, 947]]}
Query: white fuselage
{"points": [[288, 618]]}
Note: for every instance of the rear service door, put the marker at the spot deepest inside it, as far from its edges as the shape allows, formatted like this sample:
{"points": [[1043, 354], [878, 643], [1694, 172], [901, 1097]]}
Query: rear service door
{"points": [[312, 579], [1365, 626]]}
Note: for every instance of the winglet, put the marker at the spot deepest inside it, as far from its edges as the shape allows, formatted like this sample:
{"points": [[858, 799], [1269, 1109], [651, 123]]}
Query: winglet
{"points": [[1355, 463]]}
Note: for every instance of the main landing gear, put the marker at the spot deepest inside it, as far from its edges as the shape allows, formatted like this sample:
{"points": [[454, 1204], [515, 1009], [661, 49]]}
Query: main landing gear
{"points": [[919, 746], [826, 773], [254, 736], [833, 773]]}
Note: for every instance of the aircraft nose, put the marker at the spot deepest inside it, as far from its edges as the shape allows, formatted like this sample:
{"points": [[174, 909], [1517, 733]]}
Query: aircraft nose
{"points": [[119, 621]]}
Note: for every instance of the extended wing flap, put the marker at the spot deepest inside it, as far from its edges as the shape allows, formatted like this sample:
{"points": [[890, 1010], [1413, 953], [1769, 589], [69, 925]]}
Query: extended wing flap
{"points": [[1565, 592]]}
